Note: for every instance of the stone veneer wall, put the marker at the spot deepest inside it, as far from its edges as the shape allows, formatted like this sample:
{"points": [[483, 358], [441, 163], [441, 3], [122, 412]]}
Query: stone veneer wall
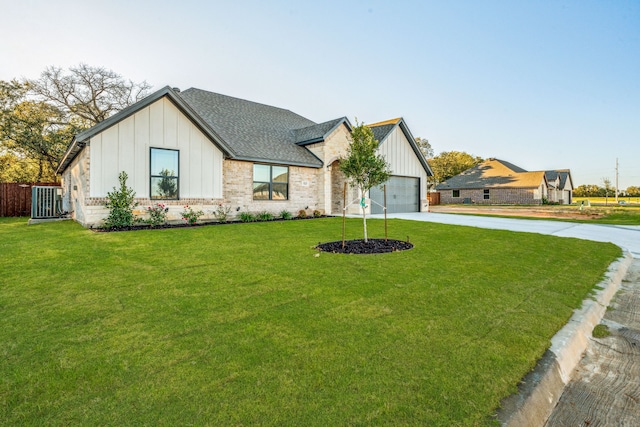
{"points": [[304, 190], [331, 188], [75, 186], [502, 196]]}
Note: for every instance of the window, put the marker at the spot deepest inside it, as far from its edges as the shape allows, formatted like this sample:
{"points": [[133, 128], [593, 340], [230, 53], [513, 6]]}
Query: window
{"points": [[164, 182], [270, 182], [486, 194], [456, 193]]}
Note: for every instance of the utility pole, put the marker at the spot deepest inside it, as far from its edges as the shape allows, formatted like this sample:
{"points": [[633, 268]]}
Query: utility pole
{"points": [[616, 180]]}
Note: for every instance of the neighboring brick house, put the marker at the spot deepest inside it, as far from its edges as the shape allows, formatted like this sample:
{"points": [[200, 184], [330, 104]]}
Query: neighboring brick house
{"points": [[205, 149], [560, 186], [498, 182]]}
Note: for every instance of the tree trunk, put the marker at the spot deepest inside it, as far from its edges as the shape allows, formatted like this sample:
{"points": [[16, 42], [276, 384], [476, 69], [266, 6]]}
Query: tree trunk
{"points": [[364, 221], [363, 205]]}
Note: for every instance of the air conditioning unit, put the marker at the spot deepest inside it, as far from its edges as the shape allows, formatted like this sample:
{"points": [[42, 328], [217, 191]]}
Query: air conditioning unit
{"points": [[46, 202]]}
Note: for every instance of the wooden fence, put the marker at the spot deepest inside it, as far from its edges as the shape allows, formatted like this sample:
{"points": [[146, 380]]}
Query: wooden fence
{"points": [[434, 198], [15, 197]]}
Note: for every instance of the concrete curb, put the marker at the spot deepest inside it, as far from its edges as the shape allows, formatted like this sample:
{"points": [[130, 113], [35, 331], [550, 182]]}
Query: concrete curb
{"points": [[540, 390]]}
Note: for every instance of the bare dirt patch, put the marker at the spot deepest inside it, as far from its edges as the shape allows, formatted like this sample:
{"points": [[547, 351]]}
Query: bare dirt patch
{"points": [[550, 212]]}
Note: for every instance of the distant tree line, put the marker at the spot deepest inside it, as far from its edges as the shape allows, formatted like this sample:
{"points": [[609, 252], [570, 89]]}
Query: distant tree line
{"points": [[592, 190], [39, 117]]}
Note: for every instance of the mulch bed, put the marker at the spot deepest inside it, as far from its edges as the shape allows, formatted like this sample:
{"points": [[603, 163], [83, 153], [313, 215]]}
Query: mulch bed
{"points": [[373, 246], [137, 227]]}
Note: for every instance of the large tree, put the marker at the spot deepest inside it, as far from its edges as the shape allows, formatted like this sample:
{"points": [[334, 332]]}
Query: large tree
{"points": [[451, 163], [588, 190], [31, 132], [633, 191], [425, 147], [39, 117], [88, 94], [363, 166]]}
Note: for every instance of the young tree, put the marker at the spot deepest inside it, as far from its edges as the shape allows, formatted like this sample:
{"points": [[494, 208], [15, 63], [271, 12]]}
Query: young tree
{"points": [[363, 166], [608, 188]]}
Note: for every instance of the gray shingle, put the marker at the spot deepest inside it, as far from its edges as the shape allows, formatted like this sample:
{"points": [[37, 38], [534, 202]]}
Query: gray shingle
{"points": [[381, 132], [253, 131], [316, 133]]}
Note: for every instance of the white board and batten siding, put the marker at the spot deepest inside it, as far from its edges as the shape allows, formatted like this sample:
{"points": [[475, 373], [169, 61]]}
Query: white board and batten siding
{"points": [[402, 159], [126, 146]]}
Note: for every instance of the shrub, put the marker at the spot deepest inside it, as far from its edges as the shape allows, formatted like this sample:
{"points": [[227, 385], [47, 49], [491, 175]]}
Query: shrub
{"points": [[120, 203], [222, 213], [264, 216], [302, 213], [157, 215], [285, 214], [317, 213], [247, 217], [190, 215]]}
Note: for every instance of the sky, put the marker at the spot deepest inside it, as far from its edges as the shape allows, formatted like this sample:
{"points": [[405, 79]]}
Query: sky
{"points": [[541, 84]]}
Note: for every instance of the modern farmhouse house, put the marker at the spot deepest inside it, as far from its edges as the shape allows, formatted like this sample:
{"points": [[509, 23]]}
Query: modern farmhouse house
{"points": [[205, 149], [496, 181]]}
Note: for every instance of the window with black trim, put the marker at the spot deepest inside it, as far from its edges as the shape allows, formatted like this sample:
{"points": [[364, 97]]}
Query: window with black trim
{"points": [[164, 181], [486, 194], [270, 182], [456, 193]]}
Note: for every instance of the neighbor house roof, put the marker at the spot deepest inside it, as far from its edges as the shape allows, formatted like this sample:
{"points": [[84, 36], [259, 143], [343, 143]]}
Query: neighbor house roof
{"points": [[563, 174], [493, 173]]}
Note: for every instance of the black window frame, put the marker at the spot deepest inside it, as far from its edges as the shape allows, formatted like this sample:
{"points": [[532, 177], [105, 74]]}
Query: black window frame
{"points": [[455, 193], [152, 176], [270, 183], [486, 194]]}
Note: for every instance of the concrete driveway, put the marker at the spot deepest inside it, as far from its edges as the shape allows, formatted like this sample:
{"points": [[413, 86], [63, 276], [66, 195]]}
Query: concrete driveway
{"points": [[604, 389], [627, 237]]}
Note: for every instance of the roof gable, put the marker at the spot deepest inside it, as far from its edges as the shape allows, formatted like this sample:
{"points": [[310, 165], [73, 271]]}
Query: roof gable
{"points": [[382, 130], [80, 139]]}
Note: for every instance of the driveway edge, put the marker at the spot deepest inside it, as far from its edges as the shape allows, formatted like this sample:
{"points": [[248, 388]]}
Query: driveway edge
{"points": [[540, 390]]}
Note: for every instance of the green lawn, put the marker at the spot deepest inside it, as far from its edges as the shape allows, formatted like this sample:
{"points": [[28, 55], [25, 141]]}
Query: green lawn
{"points": [[245, 325]]}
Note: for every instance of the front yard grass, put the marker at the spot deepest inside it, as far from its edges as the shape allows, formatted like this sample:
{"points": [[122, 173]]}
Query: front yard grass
{"points": [[244, 325]]}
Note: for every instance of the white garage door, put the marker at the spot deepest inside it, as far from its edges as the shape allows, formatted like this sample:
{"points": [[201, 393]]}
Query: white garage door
{"points": [[403, 195]]}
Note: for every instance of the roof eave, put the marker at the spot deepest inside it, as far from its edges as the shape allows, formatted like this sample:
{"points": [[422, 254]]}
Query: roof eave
{"points": [[280, 162]]}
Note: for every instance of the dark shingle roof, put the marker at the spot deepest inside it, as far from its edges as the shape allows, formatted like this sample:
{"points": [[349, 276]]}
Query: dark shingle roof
{"points": [[254, 131], [563, 174], [381, 132], [317, 133]]}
